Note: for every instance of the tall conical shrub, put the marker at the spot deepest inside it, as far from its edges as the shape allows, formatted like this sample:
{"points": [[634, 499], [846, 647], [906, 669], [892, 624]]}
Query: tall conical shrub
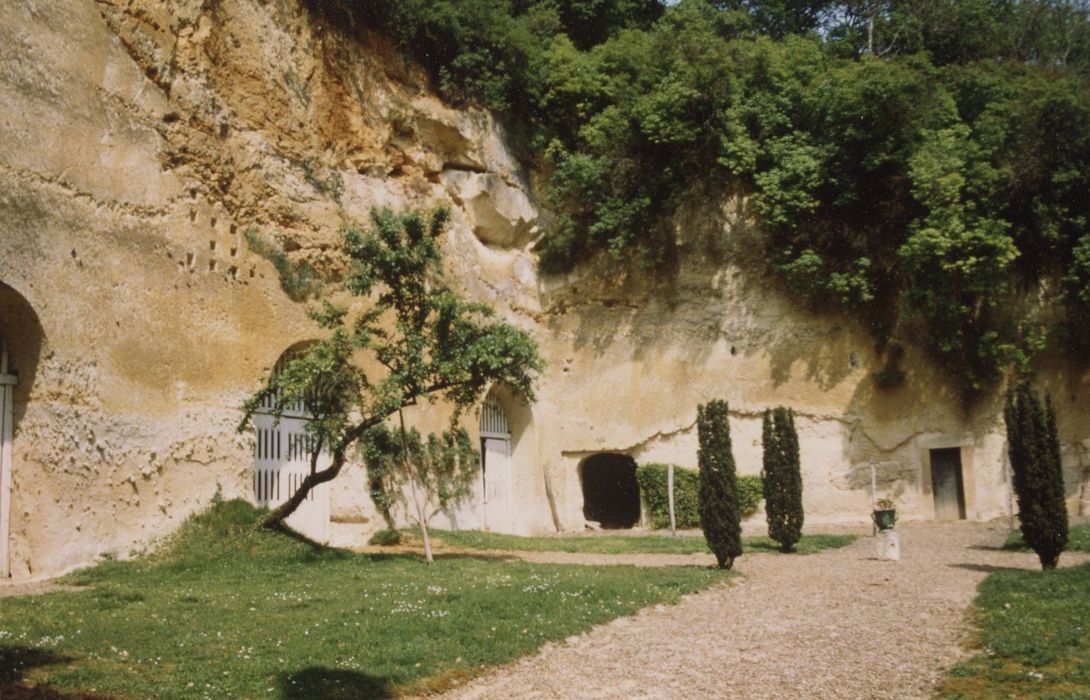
{"points": [[1034, 449], [782, 478], [719, 513]]}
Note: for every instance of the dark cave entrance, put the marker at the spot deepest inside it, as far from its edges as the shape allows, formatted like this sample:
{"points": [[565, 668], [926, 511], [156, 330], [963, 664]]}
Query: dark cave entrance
{"points": [[611, 494]]}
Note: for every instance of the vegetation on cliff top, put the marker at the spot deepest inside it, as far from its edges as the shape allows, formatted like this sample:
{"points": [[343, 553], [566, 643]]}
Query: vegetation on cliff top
{"points": [[921, 164]]}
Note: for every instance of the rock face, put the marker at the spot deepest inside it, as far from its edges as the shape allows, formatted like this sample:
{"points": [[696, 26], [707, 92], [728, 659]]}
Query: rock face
{"points": [[147, 148]]}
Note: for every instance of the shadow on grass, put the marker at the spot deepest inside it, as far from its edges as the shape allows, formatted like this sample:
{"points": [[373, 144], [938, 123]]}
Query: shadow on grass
{"points": [[16, 662], [490, 555], [318, 683]]}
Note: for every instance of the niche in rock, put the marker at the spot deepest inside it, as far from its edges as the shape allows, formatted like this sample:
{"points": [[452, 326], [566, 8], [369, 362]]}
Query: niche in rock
{"points": [[611, 494]]}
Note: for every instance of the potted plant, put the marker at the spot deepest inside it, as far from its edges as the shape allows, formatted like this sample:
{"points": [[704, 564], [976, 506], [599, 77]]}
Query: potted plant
{"points": [[885, 514]]}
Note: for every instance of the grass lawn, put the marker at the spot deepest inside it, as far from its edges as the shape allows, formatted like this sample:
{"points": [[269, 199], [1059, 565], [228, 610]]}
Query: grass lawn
{"points": [[625, 544], [230, 612], [1035, 637], [1078, 539]]}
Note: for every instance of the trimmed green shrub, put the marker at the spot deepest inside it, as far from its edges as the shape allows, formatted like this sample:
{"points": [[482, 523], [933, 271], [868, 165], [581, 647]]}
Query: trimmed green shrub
{"points": [[385, 538], [719, 515], [782, 478], [750, 494], [653, 483], [1034, 450]]}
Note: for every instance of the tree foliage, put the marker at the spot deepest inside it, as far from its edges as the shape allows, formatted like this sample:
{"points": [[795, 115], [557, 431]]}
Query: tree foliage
{"points": [[1034, 449], [426, 341], [782, 477], [720, 516], [923, 165]]}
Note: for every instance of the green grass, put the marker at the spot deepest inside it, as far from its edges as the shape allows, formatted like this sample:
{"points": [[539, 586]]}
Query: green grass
{"points": [[1078, 539], [227, 611], [624, 544], [1034, 636]]}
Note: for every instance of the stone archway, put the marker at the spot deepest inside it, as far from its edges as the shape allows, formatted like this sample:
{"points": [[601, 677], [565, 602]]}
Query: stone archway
{"points": [[611, 494], [21, 339], [509, 497]]}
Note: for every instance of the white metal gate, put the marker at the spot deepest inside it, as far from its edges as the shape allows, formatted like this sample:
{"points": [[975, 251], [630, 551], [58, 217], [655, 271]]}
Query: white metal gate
{"points": [[496, 467], [282, 461], [7, 386]]}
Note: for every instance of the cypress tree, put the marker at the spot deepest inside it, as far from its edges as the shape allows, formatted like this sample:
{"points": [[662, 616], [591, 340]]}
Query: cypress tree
{"points": [[1034, 449], [782, 478], [719, 513]]}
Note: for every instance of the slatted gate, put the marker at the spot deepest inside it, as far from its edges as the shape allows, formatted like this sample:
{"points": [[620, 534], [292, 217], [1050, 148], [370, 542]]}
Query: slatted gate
{"points": [[496, 466], [7, 386], [282, 461]]}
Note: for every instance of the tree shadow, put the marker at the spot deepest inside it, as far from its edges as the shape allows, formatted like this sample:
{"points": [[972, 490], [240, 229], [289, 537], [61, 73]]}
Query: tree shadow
{"points": [[17, 661], [319, 683], [986, 568]]}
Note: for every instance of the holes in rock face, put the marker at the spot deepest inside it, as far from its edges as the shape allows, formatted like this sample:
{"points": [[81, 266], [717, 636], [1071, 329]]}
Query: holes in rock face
{"points": [[611, 494], [190, 260], [733, 351], [211, 245], [211, 265], [233, 272]]}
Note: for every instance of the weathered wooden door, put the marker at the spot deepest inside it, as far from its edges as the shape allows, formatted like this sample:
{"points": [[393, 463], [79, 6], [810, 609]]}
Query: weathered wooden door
{"points": [[282, 461], [495, 467], [7, 386], [947, 484]]}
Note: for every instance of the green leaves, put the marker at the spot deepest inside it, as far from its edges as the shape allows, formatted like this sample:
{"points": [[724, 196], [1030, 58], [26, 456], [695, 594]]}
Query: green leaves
{"points": [[782, 477], [918, 163], [1034, 451], [427, 342]]}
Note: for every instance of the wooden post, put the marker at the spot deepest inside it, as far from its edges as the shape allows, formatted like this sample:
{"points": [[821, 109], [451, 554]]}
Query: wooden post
{"points": [[670, 492], [7, 383], [873, 494]]}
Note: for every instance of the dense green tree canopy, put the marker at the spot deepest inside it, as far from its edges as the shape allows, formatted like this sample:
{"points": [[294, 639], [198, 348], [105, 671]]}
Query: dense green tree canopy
{"points": [[922, 164]]}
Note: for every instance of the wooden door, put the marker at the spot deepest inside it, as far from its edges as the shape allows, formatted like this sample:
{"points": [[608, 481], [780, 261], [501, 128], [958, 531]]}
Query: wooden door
{"points": [[496, 473], [946, 483]]}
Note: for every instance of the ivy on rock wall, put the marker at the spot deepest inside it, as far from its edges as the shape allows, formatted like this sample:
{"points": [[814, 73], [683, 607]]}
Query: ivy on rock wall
{"points": [[922, 165]]}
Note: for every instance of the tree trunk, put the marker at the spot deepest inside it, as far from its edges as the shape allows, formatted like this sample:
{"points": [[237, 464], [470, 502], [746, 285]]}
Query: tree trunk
{"points": [[276, 518], [420, 517]]}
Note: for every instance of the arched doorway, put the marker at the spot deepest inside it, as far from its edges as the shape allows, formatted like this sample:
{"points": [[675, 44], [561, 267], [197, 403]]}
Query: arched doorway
{"points": [[611, 494], [282, 461], [21, 340], [495, 466]]}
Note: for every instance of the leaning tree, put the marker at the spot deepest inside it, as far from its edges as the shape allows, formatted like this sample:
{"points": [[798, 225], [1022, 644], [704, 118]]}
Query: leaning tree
{"points": [[1034, 450], [423, 341]]}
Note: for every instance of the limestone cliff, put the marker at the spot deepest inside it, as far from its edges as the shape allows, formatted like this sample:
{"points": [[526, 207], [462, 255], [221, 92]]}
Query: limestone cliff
{"points": [[146, 145]]}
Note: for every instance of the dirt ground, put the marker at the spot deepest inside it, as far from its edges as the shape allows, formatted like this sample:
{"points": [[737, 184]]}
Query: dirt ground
{"points": [[839, 624]]}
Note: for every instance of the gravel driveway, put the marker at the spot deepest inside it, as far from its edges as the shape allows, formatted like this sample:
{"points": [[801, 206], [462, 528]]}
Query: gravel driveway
{"points": [[840, 624]]}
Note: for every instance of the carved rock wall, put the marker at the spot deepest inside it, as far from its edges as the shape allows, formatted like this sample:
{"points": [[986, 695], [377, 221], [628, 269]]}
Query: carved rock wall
{"points": [[144, 144]]}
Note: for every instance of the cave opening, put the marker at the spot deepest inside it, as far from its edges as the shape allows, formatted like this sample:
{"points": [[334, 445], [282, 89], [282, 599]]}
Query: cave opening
{"points": [[611, 494]]}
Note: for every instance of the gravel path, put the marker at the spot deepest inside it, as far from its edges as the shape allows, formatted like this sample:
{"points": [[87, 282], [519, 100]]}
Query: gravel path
{"points": [[840, 624]]}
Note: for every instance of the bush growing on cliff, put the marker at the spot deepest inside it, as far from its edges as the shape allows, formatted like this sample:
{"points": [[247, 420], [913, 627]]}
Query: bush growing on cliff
{"points": [[914, 164], [1034, 450], [719, 513], [782, 478]]}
